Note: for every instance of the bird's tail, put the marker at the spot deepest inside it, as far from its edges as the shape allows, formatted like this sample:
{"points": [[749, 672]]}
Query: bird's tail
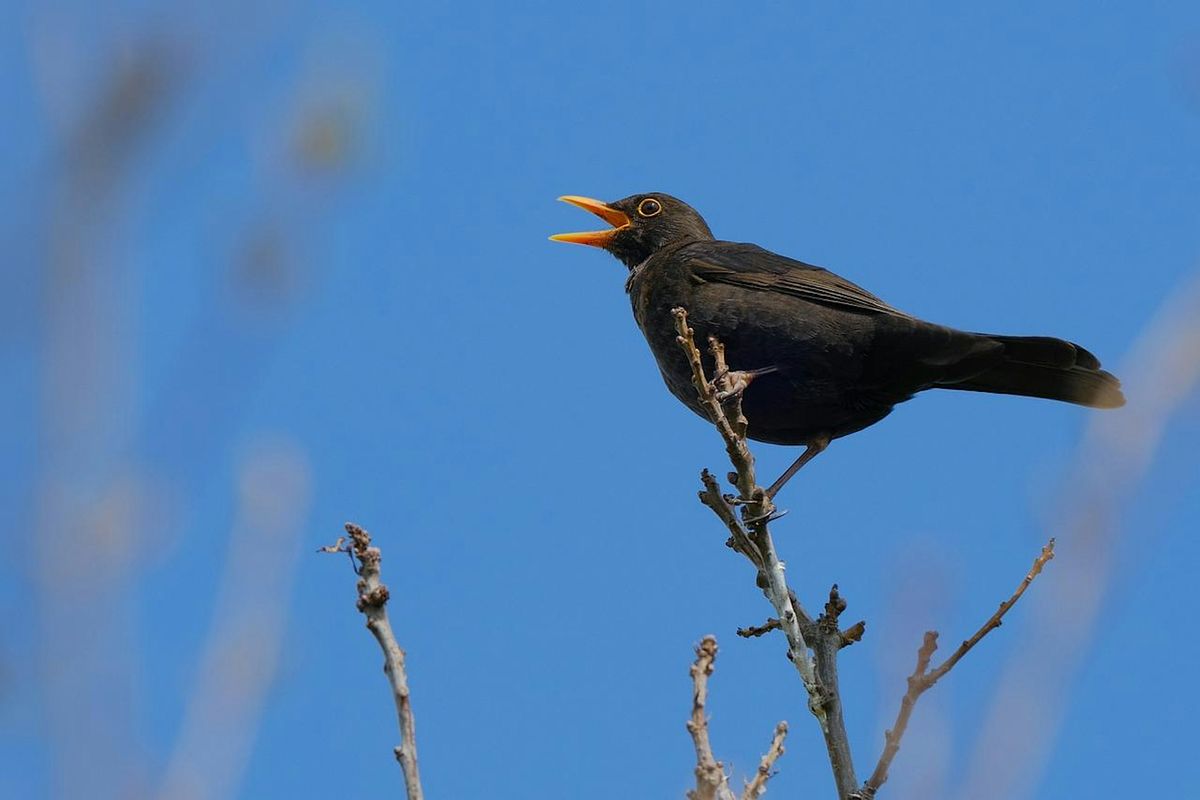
{"points": [[1041, 366]]}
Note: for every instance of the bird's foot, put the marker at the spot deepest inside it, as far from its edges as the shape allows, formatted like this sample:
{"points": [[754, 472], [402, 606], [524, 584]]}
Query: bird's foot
{"points": [[770, 516], [729, 384]]}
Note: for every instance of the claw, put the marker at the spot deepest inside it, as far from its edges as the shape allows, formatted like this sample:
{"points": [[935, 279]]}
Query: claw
{"points": [[736, 383], [770, 516]]}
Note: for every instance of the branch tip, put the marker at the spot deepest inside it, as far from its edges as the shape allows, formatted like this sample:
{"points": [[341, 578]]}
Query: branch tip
{"points": [[922, 677], [372, 600]]}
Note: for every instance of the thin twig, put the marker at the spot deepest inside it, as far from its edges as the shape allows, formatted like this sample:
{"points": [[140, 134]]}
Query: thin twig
{"points": [[922, 678], [372, 602], [735, 445], [854, 633], [757, 787], [771, 624], [711, 781]]}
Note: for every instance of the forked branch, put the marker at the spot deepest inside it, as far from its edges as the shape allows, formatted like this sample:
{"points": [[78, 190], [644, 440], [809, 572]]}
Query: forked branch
{"points": [[813, 645], [922, 677], [750, 535], [711, 781]]}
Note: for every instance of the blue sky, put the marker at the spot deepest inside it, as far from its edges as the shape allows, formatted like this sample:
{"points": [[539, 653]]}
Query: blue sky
{"points": [[318, 288]]}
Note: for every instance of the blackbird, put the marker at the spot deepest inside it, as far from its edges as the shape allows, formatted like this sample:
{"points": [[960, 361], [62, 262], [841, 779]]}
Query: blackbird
{"points": [[817, 356]]}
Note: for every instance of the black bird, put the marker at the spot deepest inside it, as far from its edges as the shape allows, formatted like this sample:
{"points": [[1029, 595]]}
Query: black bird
{"points": [[817, 357]]}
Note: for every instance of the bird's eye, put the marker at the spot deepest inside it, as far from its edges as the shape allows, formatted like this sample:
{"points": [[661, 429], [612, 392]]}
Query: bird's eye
{"points": [[649, 207]]}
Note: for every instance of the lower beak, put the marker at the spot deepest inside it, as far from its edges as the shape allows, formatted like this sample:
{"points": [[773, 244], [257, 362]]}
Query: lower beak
{"points": [[618, 219]]}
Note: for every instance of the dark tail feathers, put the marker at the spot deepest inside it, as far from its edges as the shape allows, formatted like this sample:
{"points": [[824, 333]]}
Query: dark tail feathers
{"points": [[1041, 366]]}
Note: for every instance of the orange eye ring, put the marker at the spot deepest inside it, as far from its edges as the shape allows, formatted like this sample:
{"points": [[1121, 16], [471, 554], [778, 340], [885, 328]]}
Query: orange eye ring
{"points": [[649, 207]]}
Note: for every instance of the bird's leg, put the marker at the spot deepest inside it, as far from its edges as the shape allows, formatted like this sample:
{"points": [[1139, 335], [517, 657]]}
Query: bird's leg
{"points": [[812, 451], [730, 384]]}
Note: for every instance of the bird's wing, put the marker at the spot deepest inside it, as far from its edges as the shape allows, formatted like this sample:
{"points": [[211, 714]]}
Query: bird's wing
{"points": [[752, 267]]}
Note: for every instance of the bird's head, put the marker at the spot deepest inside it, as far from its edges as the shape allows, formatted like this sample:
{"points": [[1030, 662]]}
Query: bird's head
{"points": [[642, 224]]}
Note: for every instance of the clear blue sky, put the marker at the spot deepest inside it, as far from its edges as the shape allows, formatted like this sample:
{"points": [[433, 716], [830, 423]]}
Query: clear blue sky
{"points": [[478, 397]]}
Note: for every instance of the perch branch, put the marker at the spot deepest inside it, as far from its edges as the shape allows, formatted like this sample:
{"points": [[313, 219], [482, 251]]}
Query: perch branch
{"points": [[372, 602], [922, 677], [750, 536]]}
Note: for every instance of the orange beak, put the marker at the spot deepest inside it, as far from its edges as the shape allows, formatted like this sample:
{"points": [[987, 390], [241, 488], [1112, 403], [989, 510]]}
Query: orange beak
{"points": [[612, 216]]}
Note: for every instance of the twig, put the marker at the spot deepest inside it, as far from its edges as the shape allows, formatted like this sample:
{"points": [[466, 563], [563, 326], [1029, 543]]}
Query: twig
{"points": [[854, 633], [372, 602], [751, 537], [755, 543], [757, 787], [711, 781], [735, 444], [922, 678], [771, 624]]}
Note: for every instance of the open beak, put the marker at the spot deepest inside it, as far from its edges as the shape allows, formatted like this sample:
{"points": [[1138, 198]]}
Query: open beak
{"points": [[612, 216]]}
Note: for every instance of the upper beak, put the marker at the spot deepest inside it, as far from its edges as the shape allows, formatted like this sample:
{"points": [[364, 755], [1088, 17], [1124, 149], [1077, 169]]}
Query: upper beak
{"points": [[618, 219]]}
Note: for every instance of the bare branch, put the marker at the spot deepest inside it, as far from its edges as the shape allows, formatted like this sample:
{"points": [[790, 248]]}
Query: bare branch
{"points": [[711, 781], [854, 633], [751, 537], [755, 543], [771, 624], [372, 602], [922, 678], [995, 620], [735, 444], [337, 547], [757, 787], [1118, 455]]}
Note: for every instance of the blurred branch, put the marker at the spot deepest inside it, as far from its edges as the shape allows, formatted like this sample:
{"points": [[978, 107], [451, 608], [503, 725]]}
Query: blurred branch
{"points": [[90, 493], [240, 658], [372, 602], [1161, 373], [128, 103], [711, 781], [923, 678]]}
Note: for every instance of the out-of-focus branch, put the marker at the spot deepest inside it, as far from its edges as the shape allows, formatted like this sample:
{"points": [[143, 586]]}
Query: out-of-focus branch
{"points": [[922, 678], [372, 602], [711, 781], [1161, 374], [750, 536], [241, 656], [90, 490]]}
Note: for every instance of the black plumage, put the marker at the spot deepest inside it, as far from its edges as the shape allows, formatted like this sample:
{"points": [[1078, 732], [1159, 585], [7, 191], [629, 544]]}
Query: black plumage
{"points": [[824, 358]]}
